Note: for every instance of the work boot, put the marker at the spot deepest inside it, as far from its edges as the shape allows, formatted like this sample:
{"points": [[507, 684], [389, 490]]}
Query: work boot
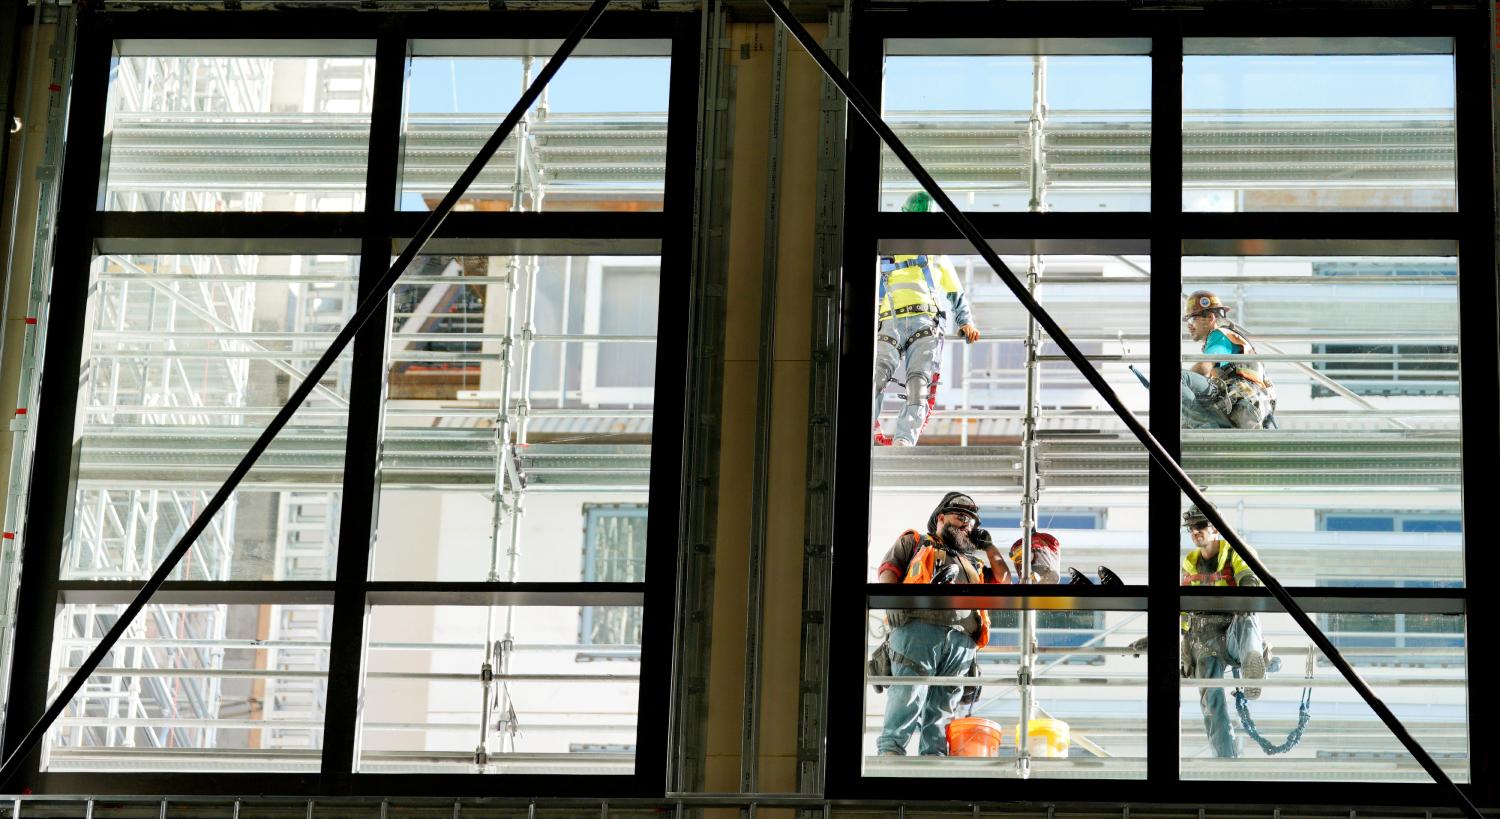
{"points": [[1078, 578], [1254, 668], [1109, 578]]}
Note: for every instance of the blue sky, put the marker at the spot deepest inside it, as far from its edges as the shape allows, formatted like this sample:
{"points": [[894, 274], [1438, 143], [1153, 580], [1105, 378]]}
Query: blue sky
{"points": [[620, 84], [1288, 82], [604, 84]]}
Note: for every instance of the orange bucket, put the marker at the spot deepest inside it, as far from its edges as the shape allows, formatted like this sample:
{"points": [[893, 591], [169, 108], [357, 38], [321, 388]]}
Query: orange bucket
{"points": [[973, 736]]}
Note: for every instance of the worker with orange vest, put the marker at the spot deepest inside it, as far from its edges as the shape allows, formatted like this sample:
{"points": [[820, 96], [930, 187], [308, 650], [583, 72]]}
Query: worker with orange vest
{"points": [[1225, 394], [935, 642], [1213, 641]]}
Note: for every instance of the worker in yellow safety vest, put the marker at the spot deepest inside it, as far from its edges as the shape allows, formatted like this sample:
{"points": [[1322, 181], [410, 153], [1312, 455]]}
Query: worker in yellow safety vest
{"points": [[915, 293], [1214, 641], [1224, 394]]}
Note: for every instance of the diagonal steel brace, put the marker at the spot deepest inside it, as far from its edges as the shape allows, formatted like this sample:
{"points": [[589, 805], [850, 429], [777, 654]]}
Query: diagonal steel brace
{"points": [[1158, 453], [373, 302]]}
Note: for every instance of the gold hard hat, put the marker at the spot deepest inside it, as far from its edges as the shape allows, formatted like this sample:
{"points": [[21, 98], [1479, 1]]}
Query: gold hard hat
{"points": [[1201, 301]]}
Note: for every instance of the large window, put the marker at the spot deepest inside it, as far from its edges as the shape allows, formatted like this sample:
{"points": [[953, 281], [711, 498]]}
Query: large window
{"points": [[1348, 331], [418, 576]]}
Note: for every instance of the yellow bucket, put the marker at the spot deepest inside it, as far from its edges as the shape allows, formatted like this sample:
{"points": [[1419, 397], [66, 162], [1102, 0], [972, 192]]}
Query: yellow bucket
{"points": [[1046, 738]]}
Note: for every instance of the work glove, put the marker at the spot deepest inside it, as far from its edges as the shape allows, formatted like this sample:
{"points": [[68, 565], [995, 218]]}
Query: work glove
{"points": [[982, 539], [969, 332]]}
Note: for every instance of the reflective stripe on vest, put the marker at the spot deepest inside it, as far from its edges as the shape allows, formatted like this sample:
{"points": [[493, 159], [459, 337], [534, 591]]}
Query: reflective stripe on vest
{"points": [[1223, 576], [902, 291]]}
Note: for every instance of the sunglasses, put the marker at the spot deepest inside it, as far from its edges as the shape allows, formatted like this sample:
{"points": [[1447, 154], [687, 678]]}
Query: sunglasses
{"points": [[1200, 526], [963, 516]]}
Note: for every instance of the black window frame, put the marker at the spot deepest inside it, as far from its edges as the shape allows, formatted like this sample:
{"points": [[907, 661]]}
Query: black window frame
{"points": [[1166, 227], [84, 228]]}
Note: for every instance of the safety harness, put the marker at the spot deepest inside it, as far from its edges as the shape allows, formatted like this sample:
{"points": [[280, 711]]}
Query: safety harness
{"points": [[1304, 715], [1292, 738], [901, 348], [881, 439], [889, 265]]}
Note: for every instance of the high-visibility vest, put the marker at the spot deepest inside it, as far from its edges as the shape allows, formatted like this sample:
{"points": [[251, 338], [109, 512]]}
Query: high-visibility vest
{"points": [[1220, 575], [923, 567], [908, 286], [1252, 371]]}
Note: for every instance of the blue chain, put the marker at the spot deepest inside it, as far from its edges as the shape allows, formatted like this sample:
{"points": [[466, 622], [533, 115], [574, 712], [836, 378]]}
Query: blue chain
{"points": [[1243, 707]]}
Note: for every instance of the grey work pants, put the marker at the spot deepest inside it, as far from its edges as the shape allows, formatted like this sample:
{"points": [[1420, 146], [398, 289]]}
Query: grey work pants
{"points": [[922, 357], [1207, 649]]}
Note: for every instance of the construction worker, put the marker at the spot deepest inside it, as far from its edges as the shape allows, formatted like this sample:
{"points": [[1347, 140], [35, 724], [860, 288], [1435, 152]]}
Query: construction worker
{"points": [[916, 292], [1226, 394], [1046, 557], [935, 642], [1212, 641]]}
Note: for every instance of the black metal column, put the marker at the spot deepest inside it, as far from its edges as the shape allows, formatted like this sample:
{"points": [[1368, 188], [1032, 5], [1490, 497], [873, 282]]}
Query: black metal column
{"points": [[1163, 550], [361, 491], [1477, 347], [50, 503]]}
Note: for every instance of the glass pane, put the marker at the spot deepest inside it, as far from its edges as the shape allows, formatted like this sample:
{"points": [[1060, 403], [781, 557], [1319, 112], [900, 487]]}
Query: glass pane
{"points": [[1358, 363], [1318, 132], [596, 141], [1089, 698], [1376, 536], [1016, 133], [230, 133], [1414, 662], [560, 704], [579, 385], [1092, 473], [207, 687], [187, 358]]}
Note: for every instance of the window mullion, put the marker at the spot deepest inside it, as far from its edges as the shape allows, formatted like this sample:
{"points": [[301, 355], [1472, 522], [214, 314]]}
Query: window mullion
{"points": [[1166, 286], [367, 391]]}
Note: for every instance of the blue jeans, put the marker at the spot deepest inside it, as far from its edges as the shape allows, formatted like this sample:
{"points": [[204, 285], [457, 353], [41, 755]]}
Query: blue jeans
{"points": [[1209, 654], [1195, 413], [924, 650]]}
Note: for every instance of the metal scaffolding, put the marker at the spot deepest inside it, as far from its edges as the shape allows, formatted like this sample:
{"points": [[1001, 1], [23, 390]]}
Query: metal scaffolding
{"points": [[1017, 443], [181, 370]]}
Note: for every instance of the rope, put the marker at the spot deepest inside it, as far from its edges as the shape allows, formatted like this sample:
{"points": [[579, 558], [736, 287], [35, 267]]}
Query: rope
{"points": [[1292, 738]]}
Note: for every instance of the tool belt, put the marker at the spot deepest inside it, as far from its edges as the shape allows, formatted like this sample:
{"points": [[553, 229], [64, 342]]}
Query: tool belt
{"points": [[912, 339], [910, 309]]}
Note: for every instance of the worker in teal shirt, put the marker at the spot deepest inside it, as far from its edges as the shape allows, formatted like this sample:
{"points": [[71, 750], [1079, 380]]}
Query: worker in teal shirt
{"points": [[1223, 394]]}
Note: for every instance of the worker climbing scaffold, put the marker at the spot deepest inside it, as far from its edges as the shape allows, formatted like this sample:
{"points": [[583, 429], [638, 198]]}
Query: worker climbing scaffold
{"points": [[1214, 641], [912, 291]]}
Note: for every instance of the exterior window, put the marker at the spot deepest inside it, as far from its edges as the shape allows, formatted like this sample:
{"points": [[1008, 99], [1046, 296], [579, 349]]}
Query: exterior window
{"points": [[614, 551]]}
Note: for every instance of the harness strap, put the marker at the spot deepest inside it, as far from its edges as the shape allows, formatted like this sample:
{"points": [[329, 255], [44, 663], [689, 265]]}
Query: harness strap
{"points": [[1292, 738], [928, 308], [892, 266]]}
